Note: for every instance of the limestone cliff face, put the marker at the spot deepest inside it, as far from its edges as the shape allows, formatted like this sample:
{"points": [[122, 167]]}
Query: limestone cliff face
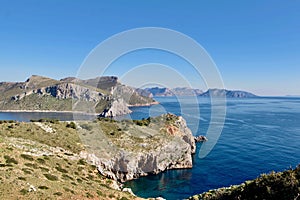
{"points": [[157, 150], [70, 90], [117, 107], [101, 94]]}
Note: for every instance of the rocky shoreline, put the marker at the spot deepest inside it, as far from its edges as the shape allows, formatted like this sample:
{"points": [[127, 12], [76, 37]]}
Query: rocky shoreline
{"points": [[169, 145]]}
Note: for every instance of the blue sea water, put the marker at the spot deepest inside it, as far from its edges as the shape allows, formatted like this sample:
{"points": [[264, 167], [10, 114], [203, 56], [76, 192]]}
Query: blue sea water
{"points": [[259, 135]]}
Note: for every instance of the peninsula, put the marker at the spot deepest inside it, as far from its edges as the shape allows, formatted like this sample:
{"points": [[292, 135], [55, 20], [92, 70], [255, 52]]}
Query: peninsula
{"points": [[101, 95]]}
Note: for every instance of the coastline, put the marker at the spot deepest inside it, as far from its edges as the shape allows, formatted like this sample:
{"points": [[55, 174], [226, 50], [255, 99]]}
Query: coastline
{"points": [[145, 104], [47, 111]]}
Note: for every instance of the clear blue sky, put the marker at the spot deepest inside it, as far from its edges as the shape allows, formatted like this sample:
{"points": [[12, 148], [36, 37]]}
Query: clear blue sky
{"points": [[255, 44]]}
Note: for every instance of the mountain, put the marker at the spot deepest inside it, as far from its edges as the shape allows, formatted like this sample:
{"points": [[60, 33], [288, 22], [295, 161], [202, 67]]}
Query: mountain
{"points": [[185, 91], [228, 93], [179, 91], [105, 95]]}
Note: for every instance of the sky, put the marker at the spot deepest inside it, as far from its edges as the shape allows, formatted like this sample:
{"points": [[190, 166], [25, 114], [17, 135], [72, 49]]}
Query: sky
{"points": [[255, 44]]}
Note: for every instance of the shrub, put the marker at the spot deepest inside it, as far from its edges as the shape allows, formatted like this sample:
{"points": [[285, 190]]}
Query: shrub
{"points": [[81, 162], [42, 187], [57, 194], [60, 169], [71, 125], [10, 160], [89, 195], [23, 191], [51, 177], [22, 178], [27, 157], [31, 165], [41, 160]]}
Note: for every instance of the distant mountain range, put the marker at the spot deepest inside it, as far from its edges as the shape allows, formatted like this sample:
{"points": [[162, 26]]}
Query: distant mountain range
{"points": [[165, 92], [184, 91], [227, 93]]}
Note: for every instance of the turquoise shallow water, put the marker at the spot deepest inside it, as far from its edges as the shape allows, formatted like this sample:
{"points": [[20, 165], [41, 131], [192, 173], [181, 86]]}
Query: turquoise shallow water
{"points": [[259, 135]]}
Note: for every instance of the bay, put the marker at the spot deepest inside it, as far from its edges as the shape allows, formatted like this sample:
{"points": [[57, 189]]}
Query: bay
{"points": [[259, 135]]}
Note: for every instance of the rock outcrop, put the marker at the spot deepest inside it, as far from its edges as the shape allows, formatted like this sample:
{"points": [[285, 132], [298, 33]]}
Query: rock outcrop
{"points": [[166, 143], [98, 95], [117, 107]]}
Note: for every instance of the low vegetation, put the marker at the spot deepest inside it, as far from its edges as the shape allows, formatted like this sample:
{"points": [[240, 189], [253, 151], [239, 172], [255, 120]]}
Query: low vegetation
{"points": [[281, 185], [36, 164]]}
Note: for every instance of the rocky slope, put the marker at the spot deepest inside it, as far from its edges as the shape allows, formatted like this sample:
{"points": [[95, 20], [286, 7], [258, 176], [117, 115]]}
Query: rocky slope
{"points": [[71, 94], [140, 148], [48, 158], [36, 163]]}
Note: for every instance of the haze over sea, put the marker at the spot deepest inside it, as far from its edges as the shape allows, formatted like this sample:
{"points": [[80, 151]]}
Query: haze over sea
{"points": [[259, 135]]}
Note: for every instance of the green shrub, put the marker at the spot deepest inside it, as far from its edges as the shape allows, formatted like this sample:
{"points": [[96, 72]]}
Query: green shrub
{"points": [[81, 162], [27, 171], [57, 194], [27, 157], [60, 169], [42, 187], [71, 125], [23, 191], [51, 177], [89, 195], [41, 160], [10, 160], [22, 178], [67, 177], [31, 165]]}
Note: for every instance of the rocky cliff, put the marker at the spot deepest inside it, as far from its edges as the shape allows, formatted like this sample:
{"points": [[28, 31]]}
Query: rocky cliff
{"points": [[140, 148], [71, 94]]}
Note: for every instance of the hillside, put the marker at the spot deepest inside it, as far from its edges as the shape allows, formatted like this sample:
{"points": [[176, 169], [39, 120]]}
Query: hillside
{"points": [[96, 95], [281, 185], [48, 159]]}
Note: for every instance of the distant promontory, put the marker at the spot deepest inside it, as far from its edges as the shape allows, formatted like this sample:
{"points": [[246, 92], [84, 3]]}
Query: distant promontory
{"points": [[185, 91]]}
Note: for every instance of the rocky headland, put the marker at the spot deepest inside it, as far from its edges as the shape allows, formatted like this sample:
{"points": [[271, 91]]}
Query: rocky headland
{"points": [[102, 95], [142, 147], [89, 159]]}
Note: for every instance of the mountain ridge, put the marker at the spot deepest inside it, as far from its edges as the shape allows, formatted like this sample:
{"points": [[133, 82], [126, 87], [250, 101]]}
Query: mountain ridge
{"points": [[185, 91], [101, 95]]}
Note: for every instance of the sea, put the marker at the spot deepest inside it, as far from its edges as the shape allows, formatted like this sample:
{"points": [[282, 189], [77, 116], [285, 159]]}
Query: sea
{"points": [[259, 135]]}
